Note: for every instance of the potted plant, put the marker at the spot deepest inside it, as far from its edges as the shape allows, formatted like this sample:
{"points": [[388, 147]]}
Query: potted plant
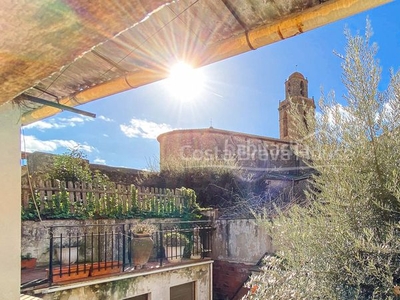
{"points": [[27, 261], [141, 243], [174, 243], [67, 253]]}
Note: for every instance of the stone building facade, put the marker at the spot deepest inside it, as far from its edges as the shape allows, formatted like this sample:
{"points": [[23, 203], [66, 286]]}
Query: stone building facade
{"points": [[296, 94], [248, 152], [240, 243], [38, 165]]}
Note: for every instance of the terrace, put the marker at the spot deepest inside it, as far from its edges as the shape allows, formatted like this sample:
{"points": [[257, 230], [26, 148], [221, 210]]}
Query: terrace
{"points": [[98, 233], [83, 255]]}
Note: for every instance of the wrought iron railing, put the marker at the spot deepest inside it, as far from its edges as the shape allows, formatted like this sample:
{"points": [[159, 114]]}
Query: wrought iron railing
{"points": [[77, 252]]}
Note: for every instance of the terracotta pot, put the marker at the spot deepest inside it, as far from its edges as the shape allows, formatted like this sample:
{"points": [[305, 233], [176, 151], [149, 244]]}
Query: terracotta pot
{"points": [[103, 268], [141, 248], [70, 273], [28, 263]]}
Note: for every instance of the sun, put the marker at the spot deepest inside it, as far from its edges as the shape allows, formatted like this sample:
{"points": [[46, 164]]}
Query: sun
{"points": [[184, 82]]}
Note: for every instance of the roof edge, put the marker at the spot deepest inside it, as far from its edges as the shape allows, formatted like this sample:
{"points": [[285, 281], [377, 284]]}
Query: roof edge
{"points": [[222, 131], [312, 18]]}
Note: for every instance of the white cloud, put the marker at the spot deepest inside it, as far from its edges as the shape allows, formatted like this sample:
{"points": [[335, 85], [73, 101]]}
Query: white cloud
{"points": [[100, 161], [144, 129], [105, 118], [57, 123], [336, 113], [72, 122], [390, 112], [30, 143], [41, 125]]}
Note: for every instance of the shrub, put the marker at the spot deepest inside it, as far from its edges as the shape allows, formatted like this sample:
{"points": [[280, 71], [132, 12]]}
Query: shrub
{"points": [[344, 242], [143, 227], [175, 239]]}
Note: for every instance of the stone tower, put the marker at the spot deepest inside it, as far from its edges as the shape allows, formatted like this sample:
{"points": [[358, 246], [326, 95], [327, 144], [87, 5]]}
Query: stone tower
{"points": [[296, 89]]}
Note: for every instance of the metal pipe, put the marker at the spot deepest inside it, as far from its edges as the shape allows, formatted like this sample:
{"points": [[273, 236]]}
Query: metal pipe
{"points": [[123, 247], [50, 276], [58, 105]]}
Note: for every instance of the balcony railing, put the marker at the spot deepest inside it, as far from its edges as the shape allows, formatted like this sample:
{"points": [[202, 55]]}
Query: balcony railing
{"points": [[95, 250]]}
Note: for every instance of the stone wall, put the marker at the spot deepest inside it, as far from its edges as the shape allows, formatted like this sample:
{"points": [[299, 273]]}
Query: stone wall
{"points": [[255, 153], [238, 245], [39, 164], [240, 241], [35, 235]]}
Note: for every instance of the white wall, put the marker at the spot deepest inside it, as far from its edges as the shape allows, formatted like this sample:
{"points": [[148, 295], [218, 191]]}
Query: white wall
{"points": [[241, 241], [10, 202]]}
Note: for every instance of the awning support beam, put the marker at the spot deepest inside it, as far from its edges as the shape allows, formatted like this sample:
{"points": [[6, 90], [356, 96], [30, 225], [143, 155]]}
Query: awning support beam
{"points": [[58, 105]]}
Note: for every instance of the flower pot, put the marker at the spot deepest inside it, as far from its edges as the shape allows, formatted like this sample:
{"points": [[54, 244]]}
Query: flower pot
{"points": [[28, 263], [105, 268], [174, 254], [141, 248], [68, 273], [67, 255]]}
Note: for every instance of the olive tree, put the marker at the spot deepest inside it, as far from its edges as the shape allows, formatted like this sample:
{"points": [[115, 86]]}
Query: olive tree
{"points": [[344, 241]]}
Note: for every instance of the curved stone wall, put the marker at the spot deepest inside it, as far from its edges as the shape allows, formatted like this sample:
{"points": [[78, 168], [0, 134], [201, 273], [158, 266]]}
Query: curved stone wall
{"points": [[254, 153]]}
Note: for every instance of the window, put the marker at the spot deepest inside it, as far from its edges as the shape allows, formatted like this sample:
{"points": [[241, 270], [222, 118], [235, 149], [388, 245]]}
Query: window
{"points": [[182, 292], [301, 88]]}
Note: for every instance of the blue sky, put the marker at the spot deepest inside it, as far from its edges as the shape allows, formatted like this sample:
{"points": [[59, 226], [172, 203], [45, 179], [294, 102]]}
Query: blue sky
{"points": [[239, 94]]}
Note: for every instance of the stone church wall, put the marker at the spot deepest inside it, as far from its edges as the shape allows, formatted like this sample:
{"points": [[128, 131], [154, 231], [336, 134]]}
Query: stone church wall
{"points": [[254, 153]]}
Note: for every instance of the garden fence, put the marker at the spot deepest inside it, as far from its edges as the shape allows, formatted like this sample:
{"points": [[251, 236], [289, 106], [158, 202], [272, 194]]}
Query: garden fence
{"points": [[100, 199]]}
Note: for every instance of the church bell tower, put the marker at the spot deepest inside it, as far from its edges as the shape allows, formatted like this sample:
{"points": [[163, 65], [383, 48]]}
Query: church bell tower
{"points": [[296, 93]]}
